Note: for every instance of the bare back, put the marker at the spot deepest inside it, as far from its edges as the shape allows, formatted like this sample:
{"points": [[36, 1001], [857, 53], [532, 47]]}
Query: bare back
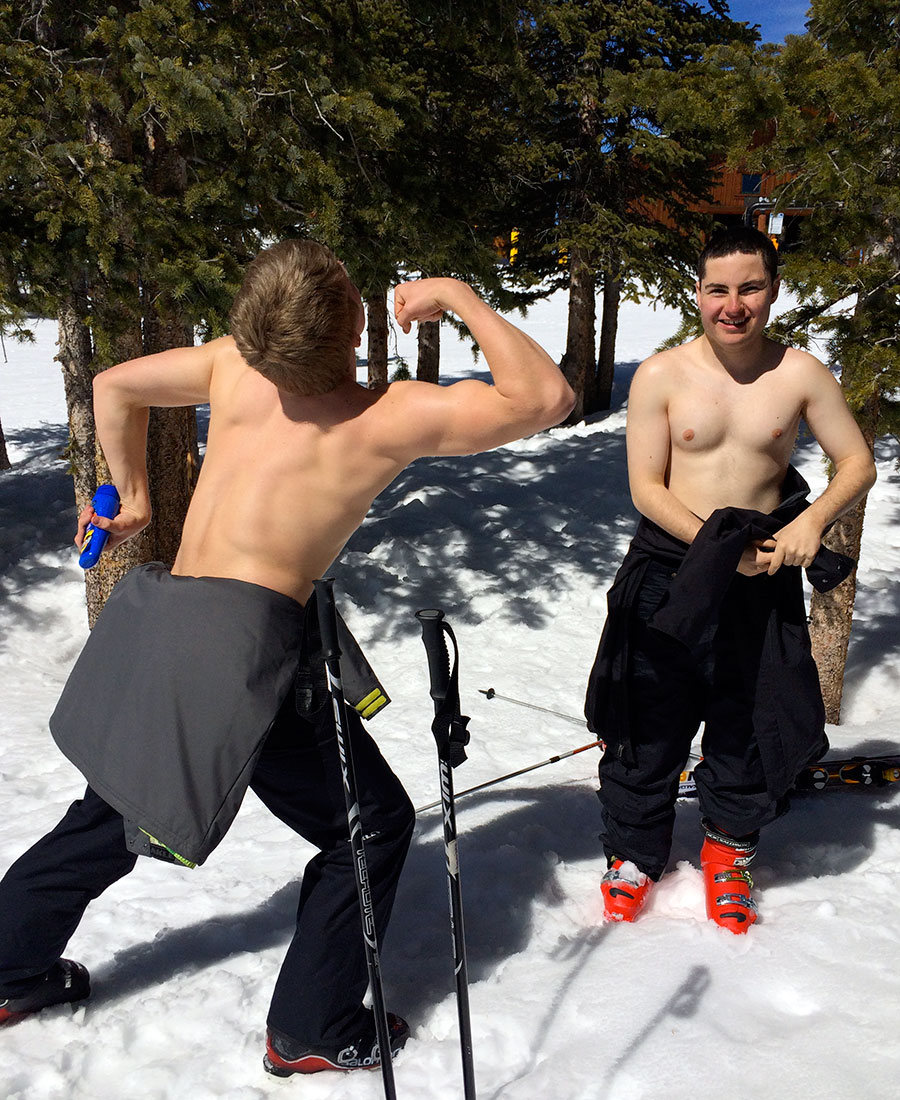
{"points": [[285, 480]]}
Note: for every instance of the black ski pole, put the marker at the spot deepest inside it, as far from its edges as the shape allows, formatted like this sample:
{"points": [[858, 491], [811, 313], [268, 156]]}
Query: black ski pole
{"points": [[451, 736], [332, 653], [512, 775], [491, 694]]}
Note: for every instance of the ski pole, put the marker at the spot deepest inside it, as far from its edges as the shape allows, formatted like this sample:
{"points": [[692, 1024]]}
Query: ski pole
{"points": [[491, 694], [512, 775], [451, 736], [332, 654]]}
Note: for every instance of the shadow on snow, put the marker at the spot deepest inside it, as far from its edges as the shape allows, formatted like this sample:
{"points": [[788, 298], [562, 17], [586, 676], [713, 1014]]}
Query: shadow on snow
{"points": [[507, 864]]}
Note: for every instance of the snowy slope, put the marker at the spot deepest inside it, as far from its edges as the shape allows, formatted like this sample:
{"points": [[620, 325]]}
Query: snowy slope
{"points": [[518, 546]]}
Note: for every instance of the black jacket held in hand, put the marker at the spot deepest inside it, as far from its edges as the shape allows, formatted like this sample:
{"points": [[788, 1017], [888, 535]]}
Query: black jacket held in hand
{"points": [[788, 716]]}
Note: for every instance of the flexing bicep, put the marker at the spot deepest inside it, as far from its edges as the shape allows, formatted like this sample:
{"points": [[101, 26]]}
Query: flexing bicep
{"points": [[463, 418]]}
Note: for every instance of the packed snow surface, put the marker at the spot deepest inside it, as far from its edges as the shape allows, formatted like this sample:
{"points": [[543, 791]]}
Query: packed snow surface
{"points": [[518, 546]]}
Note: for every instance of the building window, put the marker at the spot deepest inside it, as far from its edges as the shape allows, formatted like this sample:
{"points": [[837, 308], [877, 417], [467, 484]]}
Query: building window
{"points": [[750, 183]]}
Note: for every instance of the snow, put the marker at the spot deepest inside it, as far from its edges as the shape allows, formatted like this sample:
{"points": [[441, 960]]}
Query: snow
{"points": [[518, 546]]}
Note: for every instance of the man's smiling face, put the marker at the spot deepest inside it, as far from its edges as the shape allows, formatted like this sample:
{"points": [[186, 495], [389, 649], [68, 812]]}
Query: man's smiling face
{"points": [[735, 296]]}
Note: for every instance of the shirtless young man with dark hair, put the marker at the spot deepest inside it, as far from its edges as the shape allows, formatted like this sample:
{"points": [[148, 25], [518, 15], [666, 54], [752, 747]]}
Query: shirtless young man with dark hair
{"points": [[205, 671], [706, 617]]}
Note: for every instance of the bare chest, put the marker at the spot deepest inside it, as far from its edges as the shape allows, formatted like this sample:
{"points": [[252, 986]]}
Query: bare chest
{"points": [[755, 419]]}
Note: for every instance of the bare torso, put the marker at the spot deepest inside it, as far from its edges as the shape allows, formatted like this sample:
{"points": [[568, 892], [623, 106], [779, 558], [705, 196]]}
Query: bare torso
{"points": [[319, 460], [713, 423], [730, 436]]}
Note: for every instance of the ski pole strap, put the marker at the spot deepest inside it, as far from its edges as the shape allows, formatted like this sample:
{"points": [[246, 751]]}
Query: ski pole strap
{"points": [[362, 689], [450, 728]]}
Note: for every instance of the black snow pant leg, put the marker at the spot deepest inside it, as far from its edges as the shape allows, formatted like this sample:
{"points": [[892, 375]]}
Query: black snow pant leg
{"points": [[731, 779], [318, 996], [672, 690], [666, 699], [44, 894]]}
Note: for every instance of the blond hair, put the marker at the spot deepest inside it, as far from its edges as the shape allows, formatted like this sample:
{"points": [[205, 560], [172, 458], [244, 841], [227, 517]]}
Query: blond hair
{"points": [[294, 319]]}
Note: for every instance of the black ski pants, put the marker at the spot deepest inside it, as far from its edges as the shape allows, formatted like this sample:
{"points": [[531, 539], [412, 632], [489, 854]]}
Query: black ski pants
{"points": [[672, 690], [319, 992]]}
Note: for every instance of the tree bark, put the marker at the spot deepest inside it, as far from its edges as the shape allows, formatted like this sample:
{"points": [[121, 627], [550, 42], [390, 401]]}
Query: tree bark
{"points": [[4, 457], [578, 359], [75, 358], [831, 613], [377, 337], [172, 463], [127, 343], [599, 395], [429, 362], [155, 325]]}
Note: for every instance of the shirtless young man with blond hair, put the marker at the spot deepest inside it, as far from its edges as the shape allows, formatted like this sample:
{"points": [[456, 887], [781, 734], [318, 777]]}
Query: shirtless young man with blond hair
{"points": [[706, 616], [204, 672]]}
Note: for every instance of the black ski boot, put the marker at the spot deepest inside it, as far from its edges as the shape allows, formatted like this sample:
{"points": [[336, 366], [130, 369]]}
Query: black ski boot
{"points": [[64, 982], [285, 1056]]}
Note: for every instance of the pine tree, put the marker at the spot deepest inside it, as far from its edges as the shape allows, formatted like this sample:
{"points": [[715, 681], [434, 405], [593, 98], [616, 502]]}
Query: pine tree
{"points": [[633, 117], [427, 193], [148, 149], [838, 134]]}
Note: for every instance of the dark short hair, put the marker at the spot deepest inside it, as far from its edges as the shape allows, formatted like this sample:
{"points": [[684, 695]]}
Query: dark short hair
{"points": [[294, 319], [743, 239]]}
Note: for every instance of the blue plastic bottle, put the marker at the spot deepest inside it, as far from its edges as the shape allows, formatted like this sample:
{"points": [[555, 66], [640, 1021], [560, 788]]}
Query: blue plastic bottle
{"points": [[105, 503]]}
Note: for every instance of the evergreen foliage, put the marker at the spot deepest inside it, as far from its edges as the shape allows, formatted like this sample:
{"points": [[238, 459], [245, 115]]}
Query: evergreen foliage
{"points": [[834, 94], [838, 134], [635, 112]]}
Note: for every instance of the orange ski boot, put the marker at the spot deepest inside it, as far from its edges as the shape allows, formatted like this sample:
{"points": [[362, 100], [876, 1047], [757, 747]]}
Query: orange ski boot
{"points": [[625, 890], [724, 860]]}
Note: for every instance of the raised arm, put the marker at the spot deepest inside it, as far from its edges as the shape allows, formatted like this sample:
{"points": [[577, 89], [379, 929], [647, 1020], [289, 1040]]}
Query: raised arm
{"points": [[648, 445], [123, 396], [529, 391], [837, 433]]}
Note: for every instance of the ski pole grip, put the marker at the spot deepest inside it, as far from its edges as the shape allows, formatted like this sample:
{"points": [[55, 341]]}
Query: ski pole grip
{"points": [[324, 589], [432, 620]]}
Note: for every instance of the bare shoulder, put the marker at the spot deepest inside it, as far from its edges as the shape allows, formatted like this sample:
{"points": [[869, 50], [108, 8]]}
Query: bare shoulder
{"points": [[803, 362], [228, 368], [807, 372], [664, 368], [223, 351]]}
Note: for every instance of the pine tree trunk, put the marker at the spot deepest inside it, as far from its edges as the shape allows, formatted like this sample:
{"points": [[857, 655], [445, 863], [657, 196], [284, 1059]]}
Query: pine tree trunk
{"points": [[4, 457], [600, 396], [578, 360], [831, 613], [429, 363], [75, 358], [377, 337], [101, 579], [172, 452], [172, 457], [172, 464]]}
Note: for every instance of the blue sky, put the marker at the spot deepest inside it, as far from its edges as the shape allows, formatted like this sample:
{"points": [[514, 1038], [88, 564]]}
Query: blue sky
{"points": [[776, 18]]}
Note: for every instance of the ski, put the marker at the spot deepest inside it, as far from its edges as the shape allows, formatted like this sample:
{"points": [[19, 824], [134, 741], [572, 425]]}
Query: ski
{"points": [[856, 771], [859, 771]]}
